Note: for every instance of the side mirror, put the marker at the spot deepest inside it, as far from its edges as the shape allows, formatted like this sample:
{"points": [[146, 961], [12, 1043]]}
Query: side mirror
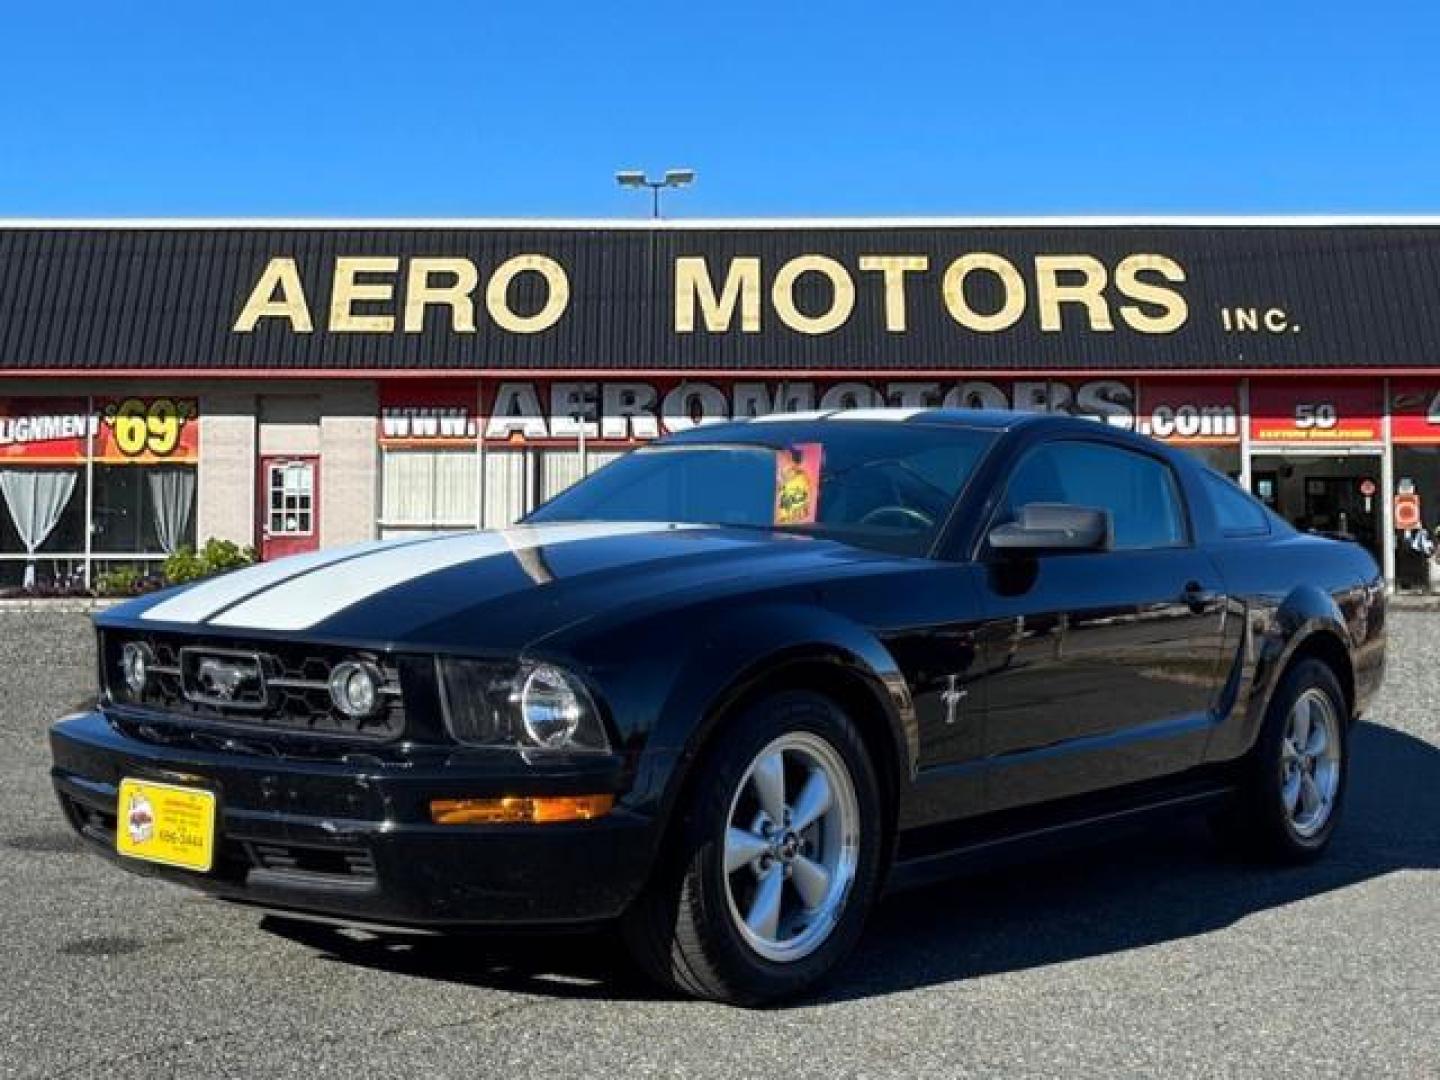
{"points": [[1054, 529]]}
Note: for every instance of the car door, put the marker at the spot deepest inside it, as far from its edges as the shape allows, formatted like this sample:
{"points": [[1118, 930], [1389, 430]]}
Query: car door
{"points": [[1101, 667]]}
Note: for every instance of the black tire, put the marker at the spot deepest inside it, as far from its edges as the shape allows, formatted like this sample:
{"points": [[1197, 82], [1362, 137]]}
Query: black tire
{"points": [[1258, 823], [681, 932]]}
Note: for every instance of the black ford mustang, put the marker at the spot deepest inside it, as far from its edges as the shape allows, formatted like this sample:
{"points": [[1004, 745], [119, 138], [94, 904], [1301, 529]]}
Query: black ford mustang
{"points": [[725, 689]]}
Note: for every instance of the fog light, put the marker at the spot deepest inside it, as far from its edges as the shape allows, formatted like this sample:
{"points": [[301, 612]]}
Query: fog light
{"points": [[539, 809], [355, 688], [135, 660]]}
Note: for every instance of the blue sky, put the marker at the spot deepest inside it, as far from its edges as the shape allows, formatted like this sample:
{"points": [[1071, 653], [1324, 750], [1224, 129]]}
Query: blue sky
{"points": [[359, 108]]}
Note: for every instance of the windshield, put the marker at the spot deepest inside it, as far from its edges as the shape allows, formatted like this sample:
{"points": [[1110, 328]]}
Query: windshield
{"points": [[887, 486]]}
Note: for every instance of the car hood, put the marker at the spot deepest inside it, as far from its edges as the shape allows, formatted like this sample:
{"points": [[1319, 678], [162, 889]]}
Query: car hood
{"points": [[488, 590]]}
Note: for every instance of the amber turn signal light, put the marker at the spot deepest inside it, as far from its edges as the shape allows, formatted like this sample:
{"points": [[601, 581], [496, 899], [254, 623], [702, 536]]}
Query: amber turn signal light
{"points": [[538, 809]]}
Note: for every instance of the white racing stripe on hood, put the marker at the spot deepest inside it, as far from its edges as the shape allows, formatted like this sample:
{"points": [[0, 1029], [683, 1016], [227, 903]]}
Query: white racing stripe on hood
{"points": [[298, 603], [203, 600]]}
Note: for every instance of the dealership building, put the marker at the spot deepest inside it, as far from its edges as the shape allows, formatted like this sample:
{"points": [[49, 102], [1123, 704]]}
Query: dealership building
{"points": [[296, 385]]}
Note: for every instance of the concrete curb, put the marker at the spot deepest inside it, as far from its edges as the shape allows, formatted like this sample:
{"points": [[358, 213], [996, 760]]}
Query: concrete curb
{"points": [[62, 605], [1417, 602]]}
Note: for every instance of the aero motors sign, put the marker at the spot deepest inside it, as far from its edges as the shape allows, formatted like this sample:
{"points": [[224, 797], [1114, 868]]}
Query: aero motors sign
{"points": [[1192, 413], [438, 414], [1306, 411]]}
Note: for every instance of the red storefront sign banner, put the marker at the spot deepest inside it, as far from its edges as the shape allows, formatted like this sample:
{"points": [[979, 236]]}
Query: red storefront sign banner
{"points": [[120, 431], [618, 412], [429, 414], [1304, 411], [1415, 411], [1190, 412], [45, 431]]}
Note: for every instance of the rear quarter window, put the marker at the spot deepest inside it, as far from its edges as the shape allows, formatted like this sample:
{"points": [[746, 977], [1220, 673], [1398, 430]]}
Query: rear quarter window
{"points": [[1237, 513]]}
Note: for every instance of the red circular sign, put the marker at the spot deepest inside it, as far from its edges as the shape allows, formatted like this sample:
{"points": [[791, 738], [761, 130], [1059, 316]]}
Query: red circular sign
{"points": [[1407, 511], [1367, 488]]}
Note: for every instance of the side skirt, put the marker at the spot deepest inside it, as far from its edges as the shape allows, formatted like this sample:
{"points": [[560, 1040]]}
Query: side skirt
{"points": [[1002, 847]]}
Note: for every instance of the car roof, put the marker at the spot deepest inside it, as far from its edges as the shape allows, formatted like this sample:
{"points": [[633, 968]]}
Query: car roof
{"points": [[974, 419]]}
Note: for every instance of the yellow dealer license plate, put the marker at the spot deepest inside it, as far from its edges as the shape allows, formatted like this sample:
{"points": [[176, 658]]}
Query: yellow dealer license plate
{"points": [[163, 823]]}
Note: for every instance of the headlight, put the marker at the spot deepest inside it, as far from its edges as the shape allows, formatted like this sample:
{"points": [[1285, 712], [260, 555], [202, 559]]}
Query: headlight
{"points": [[355, 688], [550, 707], [135, 661], [519, 707]]}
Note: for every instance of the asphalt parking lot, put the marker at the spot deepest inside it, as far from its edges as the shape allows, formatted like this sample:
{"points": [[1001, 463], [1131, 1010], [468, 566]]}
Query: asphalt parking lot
{"points": [[1147, 956]]}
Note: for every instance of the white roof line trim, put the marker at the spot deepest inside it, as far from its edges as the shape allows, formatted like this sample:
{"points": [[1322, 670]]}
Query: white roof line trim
{"points": [[682, 224]]}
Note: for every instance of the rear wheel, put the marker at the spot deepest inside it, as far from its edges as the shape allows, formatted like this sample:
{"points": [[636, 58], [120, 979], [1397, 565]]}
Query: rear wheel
{"points": [[776, 863], [1293, 784]]}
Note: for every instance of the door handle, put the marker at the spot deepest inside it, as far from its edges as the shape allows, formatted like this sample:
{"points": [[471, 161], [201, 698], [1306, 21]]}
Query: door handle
{"points": [[1198, 598]]}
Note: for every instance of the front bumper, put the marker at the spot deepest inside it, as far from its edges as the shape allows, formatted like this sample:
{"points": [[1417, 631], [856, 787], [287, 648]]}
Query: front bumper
{"points": [[351, 839]]}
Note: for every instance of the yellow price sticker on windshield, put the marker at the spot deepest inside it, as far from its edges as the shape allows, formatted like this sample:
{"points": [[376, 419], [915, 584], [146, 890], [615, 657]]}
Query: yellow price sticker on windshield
{"points": [[797, 484]]}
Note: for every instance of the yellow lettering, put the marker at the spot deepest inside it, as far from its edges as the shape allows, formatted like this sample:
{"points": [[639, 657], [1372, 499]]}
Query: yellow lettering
{"points": [[895, 267], [842, 294], [1050, 294], [421, 292], [497, 294], [1173, 309], [741, 289], [282, 276], [347, 292], [956, 302]]}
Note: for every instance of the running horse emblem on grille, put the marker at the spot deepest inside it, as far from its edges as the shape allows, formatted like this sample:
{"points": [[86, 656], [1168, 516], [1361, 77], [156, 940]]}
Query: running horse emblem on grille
{"points": [[222, 680]]}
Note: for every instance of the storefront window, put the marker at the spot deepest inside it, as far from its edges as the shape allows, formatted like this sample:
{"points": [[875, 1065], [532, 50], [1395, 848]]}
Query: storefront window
{"points": [[1417, 522], [130, 462], [44, 515], [144, 509], [430, 489]]}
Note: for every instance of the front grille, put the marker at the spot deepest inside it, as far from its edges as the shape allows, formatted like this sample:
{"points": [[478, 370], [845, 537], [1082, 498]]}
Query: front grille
{"points": [[294, 695]]}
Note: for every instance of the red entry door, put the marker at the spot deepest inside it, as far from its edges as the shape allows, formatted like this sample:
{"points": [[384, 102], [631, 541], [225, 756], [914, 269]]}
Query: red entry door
{"points": [[289, 511]]}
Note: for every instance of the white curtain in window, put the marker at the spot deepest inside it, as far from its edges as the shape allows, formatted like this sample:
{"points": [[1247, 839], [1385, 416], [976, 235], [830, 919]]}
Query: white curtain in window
{"points": [[457, 487], [406, 479], [504, 487], [436, 488], [36, 499], [558, 470], [172, 496]]}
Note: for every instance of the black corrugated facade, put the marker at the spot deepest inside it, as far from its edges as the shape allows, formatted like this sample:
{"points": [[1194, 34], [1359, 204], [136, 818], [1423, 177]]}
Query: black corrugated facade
{"points": [[167, 299]]}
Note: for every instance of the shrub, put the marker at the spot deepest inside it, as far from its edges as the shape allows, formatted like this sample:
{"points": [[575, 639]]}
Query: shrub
{"points": [[121, 581], [182, 566], [214, 557], [222, 555]]}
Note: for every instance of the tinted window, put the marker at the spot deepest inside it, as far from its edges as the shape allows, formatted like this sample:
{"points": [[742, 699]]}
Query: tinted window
{"points": [[887, 485], [1138, 490], [1238, 514]]}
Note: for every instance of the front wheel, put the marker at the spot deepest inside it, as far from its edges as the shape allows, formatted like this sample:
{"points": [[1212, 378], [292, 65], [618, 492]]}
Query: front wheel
{"points": [[776, 864]]}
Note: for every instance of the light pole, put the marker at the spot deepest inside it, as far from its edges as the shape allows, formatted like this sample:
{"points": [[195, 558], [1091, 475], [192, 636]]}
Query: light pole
{"points": [[673, 178]]}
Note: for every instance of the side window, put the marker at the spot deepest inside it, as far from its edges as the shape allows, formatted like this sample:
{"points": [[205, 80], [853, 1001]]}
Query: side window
{"points": [[1238, 514], [1139, 491]]}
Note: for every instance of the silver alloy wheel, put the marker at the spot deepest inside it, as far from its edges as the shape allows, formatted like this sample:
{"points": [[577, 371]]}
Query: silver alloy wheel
{"points": [[792, 843], [1310, 762]]}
